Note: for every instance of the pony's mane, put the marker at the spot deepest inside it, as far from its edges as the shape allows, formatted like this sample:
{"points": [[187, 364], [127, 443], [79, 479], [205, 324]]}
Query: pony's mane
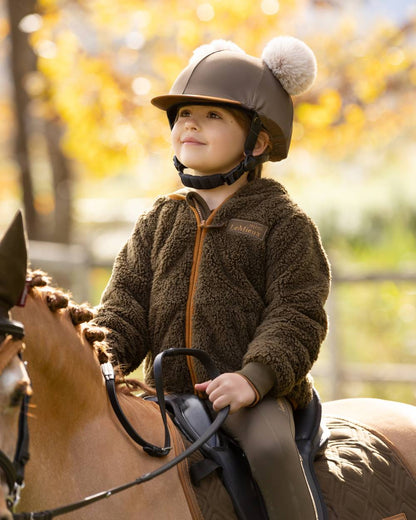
{"points": [[82, 314]]}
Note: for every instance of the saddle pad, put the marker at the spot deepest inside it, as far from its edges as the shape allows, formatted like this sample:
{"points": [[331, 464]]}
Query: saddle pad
{"points": [[361, 477]]}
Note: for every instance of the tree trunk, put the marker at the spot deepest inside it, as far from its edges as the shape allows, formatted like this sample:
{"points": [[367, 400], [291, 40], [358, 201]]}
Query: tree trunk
{"points": [[22, 61], [55, 226]]}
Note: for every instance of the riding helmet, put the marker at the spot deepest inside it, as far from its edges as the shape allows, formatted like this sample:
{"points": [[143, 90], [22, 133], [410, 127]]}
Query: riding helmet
{"points": [[222, 73]]}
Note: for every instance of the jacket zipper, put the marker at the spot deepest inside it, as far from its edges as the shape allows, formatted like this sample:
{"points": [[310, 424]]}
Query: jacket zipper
{"points": [[202, 228], [199, 239]]}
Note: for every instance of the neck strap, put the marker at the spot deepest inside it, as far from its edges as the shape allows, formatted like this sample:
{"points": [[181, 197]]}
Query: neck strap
{"points": [[207, 182]]}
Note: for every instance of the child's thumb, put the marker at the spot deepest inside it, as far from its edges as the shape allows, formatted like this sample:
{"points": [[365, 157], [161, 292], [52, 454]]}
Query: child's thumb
{"points": [[201, 387]]}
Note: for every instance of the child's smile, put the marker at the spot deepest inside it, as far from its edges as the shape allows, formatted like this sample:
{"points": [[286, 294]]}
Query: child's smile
{"points": [[191, 141]]}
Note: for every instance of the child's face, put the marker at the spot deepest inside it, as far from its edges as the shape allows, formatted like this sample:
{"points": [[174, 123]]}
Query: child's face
{"points": [[208, 139]]}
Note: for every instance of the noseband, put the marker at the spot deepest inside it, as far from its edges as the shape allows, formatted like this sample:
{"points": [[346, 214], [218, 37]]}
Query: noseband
{"points": [[14, 470]]}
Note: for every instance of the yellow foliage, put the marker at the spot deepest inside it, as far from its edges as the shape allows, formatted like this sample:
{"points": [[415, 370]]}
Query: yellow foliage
{"points": [[110, 124], [412, 76], [369, 89], [354, 117], [188, 34], [322, 114], [4, 28], [47, 5]]}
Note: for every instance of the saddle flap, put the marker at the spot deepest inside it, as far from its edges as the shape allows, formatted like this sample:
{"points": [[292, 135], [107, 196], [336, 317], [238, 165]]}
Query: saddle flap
{"points": [[311, 434]]}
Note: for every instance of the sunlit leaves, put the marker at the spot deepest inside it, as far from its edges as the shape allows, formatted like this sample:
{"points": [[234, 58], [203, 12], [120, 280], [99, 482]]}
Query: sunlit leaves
{"points": [[103, 61]]}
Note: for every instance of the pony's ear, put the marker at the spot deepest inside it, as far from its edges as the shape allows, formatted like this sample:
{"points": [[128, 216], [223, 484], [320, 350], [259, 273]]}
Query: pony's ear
{"points": [[13, 264]]}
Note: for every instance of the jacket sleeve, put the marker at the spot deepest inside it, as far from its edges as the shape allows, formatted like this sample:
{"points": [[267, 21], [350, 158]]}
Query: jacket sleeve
{"points": [[294, 321], [124, 305]]}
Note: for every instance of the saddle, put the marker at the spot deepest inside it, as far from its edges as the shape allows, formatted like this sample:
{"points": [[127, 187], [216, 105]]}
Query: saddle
{"points": [[222, 454]]}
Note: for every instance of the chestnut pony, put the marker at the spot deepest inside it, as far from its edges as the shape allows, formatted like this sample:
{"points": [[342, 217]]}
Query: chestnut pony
{"points": [[78, 448]]}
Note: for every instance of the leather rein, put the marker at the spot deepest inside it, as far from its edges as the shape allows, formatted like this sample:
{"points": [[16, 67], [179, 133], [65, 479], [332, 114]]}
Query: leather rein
{"points": [[149, 448], [14, 470]]}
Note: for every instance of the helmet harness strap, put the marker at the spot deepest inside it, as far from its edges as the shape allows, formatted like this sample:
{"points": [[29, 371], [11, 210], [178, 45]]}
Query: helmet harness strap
{"points": [[207, 182]]}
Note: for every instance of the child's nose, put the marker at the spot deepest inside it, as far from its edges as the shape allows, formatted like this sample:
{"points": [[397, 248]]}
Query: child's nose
{"points": [[191, 123]]}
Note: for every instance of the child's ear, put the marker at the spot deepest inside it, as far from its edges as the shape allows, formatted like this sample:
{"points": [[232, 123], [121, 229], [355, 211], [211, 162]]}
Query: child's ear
{"points": [[263, 141]]}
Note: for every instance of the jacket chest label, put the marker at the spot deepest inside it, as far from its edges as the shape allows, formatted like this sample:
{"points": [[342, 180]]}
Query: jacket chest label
{"points": [[247, 227]]}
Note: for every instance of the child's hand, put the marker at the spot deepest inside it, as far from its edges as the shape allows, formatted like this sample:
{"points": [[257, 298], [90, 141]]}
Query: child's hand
{"points": [[228, 389]]}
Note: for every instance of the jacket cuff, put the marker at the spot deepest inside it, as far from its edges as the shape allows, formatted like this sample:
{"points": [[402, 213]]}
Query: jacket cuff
{"points": [[260, 376]]}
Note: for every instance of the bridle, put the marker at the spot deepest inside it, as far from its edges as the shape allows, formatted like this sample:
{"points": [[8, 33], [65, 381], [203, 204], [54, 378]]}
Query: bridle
{"points": [[147, 447], [14, 470]]}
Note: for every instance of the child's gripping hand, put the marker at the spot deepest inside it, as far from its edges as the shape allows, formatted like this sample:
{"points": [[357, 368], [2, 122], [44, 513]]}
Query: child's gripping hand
{"points": [[228, 389]]}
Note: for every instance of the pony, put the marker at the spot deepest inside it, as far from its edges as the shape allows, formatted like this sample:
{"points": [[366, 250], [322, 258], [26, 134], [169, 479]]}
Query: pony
{"points": [[366, 470]]}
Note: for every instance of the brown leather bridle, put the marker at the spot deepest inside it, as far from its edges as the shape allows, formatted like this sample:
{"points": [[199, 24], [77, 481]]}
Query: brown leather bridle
{"points": [[14, 470]]}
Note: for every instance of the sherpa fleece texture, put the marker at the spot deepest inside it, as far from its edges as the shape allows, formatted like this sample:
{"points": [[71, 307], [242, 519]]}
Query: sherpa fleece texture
{"points": [[257, 295]]}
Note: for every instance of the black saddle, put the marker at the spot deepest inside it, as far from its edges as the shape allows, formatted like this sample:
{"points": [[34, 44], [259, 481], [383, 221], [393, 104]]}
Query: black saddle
{"points": [[222, 454]]}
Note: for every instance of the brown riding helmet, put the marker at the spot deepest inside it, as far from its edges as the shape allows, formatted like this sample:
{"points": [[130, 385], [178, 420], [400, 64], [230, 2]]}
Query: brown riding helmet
{"points": [[227, 75]]}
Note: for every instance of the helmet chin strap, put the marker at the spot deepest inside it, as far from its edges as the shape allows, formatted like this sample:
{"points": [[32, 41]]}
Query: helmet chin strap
{"points": [[207, 182]]}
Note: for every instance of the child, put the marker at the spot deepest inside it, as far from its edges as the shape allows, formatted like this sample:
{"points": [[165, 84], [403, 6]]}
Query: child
{"points": [[231, 265]]}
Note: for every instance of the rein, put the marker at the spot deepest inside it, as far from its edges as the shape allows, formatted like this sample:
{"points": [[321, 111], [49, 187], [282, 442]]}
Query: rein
{"points": [[147, 447], [155, 451]]}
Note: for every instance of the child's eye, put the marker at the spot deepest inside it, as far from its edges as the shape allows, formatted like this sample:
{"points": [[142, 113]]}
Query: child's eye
{"points": [[214, 115], [184, 113]]}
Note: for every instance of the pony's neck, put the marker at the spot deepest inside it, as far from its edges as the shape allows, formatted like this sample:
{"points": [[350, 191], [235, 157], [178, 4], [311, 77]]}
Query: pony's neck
{"points": [[63, 368]]}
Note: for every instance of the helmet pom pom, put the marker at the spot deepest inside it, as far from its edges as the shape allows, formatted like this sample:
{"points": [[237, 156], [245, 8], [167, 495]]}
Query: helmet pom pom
{"points": [[216, 45], [292, 62]]}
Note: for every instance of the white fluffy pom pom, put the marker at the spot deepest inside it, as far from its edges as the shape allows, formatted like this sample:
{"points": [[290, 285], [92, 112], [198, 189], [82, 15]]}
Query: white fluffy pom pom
{"points": [[215, 45], [292, 62]]}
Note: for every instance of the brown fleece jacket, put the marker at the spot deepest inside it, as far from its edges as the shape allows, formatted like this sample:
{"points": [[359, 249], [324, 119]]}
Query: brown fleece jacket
{"points": [[246, 283]]}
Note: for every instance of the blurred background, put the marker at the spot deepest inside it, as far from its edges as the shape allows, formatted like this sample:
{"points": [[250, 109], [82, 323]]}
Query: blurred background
{"points": [[83, 152]]}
